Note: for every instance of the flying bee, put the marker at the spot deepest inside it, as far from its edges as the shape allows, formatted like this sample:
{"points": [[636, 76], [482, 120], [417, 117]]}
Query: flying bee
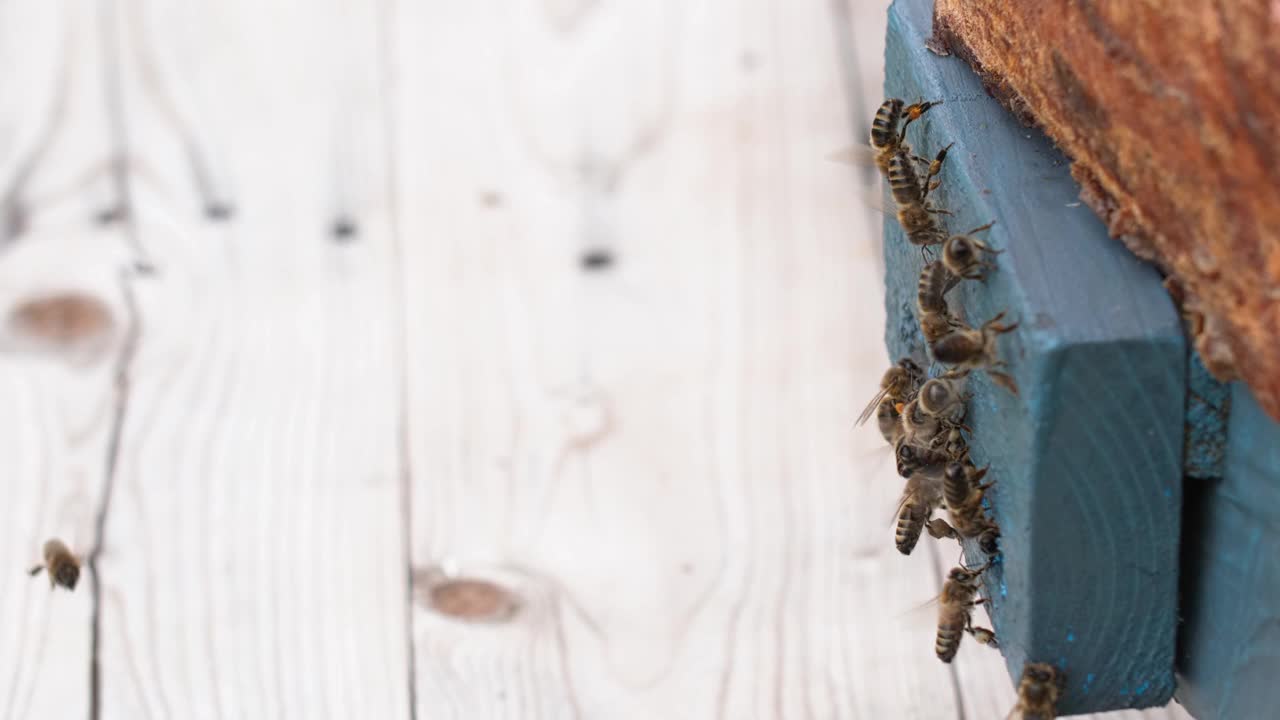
{"points": [[889, 420], [963, 495], [915, 214], [921, 496], [936, 320], [966, 257], [955, 612], [1038, 693], [63, 566], [900, 382], [969, 349]]}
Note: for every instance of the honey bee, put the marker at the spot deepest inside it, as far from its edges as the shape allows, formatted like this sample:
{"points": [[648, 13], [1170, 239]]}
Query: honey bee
{"points": [[899, 382], [966, 257], [889, 420], [62, 564], [911, 459], [920, 498], [930, 431], [915, 214], [888, 138], [936, 320], [969, 349], [963, 495], [1038, 693], [944, 398], [955, 612]]}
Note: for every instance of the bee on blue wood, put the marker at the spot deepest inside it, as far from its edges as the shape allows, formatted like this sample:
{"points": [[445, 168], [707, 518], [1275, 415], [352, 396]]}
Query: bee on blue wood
{"points": [[968, 257], [889, 130], [62, 565], [936, 320], [963, 493], [921, 496], [967, 349], [900, 383], [1038, 693]]}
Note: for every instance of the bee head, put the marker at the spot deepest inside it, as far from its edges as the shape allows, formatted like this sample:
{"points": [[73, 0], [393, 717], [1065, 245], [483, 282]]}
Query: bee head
{"points": [[67, 575]]}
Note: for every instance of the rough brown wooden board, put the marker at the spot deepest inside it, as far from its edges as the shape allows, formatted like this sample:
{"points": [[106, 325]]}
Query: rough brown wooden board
{"points": [[1170, 109]]}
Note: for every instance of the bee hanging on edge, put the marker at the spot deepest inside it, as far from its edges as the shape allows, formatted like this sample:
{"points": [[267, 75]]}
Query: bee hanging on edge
{"points": [[936, 320], [900, 382], [969, 349], [888, 137], [915, 214], [955, 612], [921, 496], [62, 565], [964, 494], [966, 256], [1038, 693]]}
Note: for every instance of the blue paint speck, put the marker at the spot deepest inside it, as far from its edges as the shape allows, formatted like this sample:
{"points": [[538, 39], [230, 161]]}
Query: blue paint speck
{"points": [[1004, 591], [1168, 491], [1071, 637], [1088, 682], [1142, 688]]}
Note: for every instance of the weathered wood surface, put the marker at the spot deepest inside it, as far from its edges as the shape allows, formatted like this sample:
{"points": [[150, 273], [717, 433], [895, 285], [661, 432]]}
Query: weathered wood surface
{"points": [[1087, 462], [1170, 111], [367, 361], [1227, 656]]}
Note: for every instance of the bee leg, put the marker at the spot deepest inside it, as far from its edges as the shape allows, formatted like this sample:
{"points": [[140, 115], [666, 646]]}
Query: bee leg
{"points": [[979, 229], [940, 529], [35, 570], [1004, 380]]}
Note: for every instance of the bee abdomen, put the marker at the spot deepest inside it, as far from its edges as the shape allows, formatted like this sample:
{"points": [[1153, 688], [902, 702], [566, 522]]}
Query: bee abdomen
{"points": [[948, 642], [903, 182], [929, 291], [954, 348], [910, 523], [884, 129]]}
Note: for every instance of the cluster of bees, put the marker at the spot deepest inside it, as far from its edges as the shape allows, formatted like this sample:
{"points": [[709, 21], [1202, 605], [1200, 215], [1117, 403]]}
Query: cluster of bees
{"points": [[923, 418]]}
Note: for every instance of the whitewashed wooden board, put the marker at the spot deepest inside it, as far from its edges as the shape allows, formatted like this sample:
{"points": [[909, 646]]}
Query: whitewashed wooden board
{"points": [[319, 436]]}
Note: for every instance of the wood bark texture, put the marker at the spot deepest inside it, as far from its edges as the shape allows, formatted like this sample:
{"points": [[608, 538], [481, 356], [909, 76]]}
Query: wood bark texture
{"points": [[1169, 109]]}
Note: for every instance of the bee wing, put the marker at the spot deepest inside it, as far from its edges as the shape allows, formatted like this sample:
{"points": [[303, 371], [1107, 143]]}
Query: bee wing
{"points": [[870, 409], [859, 156], [921, 610]]}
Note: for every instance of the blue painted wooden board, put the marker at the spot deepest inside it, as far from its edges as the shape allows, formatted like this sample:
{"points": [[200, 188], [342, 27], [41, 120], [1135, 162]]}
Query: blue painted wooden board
{"points": [[1229, 645], [1088, 461]]}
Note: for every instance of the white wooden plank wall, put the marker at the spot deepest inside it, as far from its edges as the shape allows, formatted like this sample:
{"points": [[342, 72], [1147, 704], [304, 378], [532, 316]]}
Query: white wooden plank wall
{"points": [[300, 350]]}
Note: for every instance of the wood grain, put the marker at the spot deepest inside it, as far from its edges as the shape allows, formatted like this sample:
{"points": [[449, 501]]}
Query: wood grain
{"points": [[252, 560], [1169, 111], [57, 367], [353, 235], [1227, 660], [655, 459]]}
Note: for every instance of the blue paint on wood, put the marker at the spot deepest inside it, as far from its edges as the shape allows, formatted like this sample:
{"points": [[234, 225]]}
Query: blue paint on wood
{"points": [[1229, 644], [1088, 461], [1208, 406]]}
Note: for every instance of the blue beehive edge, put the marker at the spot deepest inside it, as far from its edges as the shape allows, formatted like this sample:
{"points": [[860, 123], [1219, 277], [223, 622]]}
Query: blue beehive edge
{"points": [[1088, 461]]}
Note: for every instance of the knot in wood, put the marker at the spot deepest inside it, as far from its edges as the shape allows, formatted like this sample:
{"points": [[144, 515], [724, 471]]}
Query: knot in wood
{"points": [[62, 320], [473, 600]]}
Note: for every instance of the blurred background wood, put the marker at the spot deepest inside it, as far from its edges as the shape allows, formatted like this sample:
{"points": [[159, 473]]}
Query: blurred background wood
{"points": [[1170, 111], [369, 364]]}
